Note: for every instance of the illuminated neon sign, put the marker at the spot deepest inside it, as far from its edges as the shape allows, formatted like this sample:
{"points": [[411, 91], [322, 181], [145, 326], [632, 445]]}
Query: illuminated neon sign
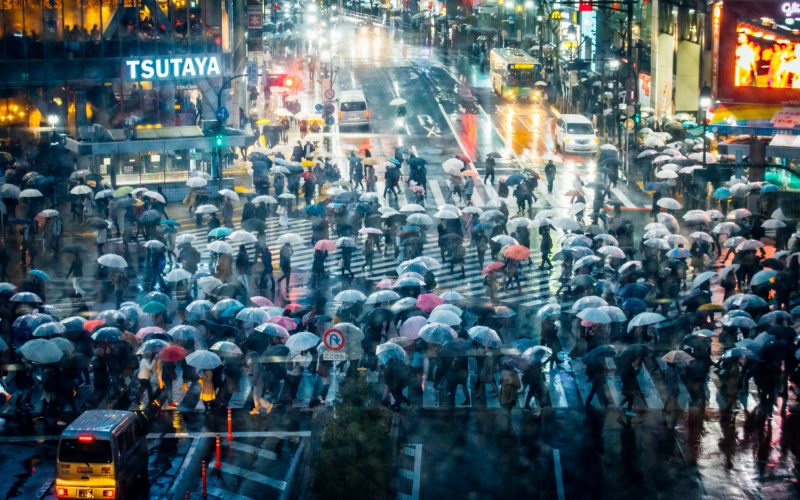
{"points": [[790, 8], [172, 68]]}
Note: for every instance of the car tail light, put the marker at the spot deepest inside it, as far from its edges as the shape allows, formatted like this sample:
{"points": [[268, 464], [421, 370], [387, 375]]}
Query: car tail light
{"points": [[366, 114], [61, 492], [108, 493], [340, 115], [86, 438]]}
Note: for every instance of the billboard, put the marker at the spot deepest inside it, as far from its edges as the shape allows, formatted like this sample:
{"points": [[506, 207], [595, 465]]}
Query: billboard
{"points": [[758, 52]]}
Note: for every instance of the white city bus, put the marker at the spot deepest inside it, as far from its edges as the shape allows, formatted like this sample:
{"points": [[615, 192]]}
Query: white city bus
{"points": [[513, 73]]}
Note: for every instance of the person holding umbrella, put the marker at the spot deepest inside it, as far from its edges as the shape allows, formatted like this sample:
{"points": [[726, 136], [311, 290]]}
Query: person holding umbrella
{"points": [[143, 377], [76, 271], [489, 169], [285, 263], [550, 175]]}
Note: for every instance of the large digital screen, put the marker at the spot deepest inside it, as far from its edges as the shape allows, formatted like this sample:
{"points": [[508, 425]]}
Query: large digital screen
{"points": [[756, 51], [767, 54]]}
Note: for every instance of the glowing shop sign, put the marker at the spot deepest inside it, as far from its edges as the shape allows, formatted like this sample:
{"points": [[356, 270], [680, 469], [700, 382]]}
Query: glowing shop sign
{"points": [[172, 68], [791, 8]]}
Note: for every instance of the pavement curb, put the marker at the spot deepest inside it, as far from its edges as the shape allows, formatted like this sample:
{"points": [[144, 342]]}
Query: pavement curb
{"points": [[188, 472]]}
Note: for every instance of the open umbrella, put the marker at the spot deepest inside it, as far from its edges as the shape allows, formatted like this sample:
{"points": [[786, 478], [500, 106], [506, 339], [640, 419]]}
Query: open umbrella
{"points": [[517, 252], [677, 357], [645, 319], [41, 351], [273, 330], [172, 354], [428, 301], [437, 333], [537, 354], [112, 260], [485, 336], [389, 351], [226, 348], [302, 341], [203, 360], [328, 245], [350, 296], [594, 315], [49, 330], [382, 296]]}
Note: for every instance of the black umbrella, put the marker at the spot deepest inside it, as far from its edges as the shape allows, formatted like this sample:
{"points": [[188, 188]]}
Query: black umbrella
{"points": [[150, 217], [224, 290], [599, 353], [257, 225], [97, 223], [417, 162]]}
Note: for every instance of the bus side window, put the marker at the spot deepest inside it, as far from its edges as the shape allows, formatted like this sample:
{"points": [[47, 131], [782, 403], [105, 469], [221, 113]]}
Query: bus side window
{"points": [[126, 442]]}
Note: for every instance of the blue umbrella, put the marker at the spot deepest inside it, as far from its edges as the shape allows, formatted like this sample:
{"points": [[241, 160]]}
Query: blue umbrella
{"points": [[315, 210], [24, 325], [220, 232], [634, 291], [411, 228], [107, 334], [159, 297], [722, 193], [170, 222], [515, 179], [653, 186], [26, 298], [73, 323], [769, 188], [154, 308], [395, 161], [679, 253], [634, 306], [49, 330], [227, 308], [481, 227], [7, 287], [39, 274], [182, 333], [199, 308]]}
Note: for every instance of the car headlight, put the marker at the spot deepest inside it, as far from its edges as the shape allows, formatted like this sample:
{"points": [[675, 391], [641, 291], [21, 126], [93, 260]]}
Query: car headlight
{"points": [[567, 139], [595, 139]]}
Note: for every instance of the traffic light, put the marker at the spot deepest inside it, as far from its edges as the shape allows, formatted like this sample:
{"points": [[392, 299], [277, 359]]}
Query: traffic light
{"points": [[585, 7], [637, 118], [219, 141]]}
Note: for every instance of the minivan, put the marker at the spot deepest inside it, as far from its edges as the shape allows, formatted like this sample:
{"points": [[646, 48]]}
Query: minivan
{"points": [[102, 454], [353, 110], [575, 134]]}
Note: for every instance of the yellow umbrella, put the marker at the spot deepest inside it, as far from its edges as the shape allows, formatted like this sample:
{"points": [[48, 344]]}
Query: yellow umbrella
{"points": [[307, 163], [262, 121], [244, 190]]}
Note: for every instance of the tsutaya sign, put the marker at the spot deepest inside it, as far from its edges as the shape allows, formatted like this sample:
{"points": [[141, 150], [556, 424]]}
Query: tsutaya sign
{"points": [[172, 68]]}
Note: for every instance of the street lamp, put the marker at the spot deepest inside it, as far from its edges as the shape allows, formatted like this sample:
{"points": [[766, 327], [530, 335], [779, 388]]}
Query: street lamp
{"points": [[52, 120], [705, 104]]}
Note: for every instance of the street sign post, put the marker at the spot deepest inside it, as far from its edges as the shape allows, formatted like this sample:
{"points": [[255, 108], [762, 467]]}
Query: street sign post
{"points": [[223, 114], [333, 339], [334, 356], [329, 94]]}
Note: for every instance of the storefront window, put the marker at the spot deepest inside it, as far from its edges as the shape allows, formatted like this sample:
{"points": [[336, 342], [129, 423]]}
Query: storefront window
{"points": [[689, 25], [666, 18]]}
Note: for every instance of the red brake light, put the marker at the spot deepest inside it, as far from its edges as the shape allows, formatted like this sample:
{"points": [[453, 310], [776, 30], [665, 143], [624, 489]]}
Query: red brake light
{"points": [[288, 82], [61, 492], [87, 438], [108, 493], [366, 114]]}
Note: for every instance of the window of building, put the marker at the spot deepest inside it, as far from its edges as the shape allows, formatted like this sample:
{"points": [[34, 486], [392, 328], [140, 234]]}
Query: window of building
{"points": [[666, 18]]}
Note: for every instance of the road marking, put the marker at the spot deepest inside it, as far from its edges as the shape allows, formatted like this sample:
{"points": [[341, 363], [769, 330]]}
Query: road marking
{"points": [[412, 450], [622, 197], [559, 475], [490, 191], [477, 199], [253, 476], [438, 197], [453, 130], [649, 389], [560, 399], [253, 450], [426, 122], [228, 495]]}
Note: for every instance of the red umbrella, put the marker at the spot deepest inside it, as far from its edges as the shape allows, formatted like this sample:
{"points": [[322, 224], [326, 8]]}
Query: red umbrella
{"points": [[385, 284], [307, 175], [283, 321], [92, 324], [418, 189], [428, 301], [172, 354], [328, 245], [517, 252], [492, 267], [292, 307]]}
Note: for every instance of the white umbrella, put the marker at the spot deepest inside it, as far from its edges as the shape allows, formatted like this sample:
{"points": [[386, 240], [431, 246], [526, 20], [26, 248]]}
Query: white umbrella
{"points": [[203, 360], [669, 203], [666, 174], [778, 214], [266, 199], [283, 113], [206, 209], [30, 193], [566, 223], [290, 238], [81, 189], [749, 245], [446, 214], [773, 224], [112, 260], [196, 182], [219, 246], [418, 219], [645, 319], [302, 341], [700, 235], [154, 196], [452, 166], [696, 216], [411, 208], [397, 101], [739, 213], [240, 236], [229, 194], [350, 296], [185, 238], [594, 315], [177, 275], [612, 252], [676, 239], [726, 228]]}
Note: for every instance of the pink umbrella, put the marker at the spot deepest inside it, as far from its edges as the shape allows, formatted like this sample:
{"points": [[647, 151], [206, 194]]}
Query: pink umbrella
{"points": [[283, 321], [411, 327], [261, 301], [428, 301], [385, 284], [148, 330], [328, 245]]}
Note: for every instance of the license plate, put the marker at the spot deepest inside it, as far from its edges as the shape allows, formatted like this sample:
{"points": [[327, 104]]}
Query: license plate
{"points": [[84, 470], [86, 493]]}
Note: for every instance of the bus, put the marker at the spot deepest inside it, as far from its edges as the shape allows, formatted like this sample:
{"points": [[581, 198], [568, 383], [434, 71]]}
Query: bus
{"points": [[513, 73]]}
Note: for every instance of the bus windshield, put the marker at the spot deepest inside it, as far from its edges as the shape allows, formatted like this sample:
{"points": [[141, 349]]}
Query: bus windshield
{"points": [[521, 77], [580, 128], [95, 452]]}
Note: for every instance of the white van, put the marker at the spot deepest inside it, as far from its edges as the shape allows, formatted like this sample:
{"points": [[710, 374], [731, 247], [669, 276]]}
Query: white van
{"points": [[575, 134], [353, 109]]}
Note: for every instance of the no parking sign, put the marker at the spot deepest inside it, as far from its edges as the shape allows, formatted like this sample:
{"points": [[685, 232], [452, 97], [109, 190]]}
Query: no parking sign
{"points": [[333, 339]]}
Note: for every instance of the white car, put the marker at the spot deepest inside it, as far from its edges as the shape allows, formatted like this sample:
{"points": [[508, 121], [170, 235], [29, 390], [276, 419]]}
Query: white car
{"points": [[575, 134]]}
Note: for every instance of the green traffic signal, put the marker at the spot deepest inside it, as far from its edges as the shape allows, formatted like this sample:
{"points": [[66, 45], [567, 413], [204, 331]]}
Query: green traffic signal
{"points": [[218, 141]]}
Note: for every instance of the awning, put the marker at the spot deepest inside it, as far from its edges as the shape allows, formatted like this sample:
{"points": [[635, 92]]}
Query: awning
{"points": [[166, 140], [784, 146], [755, 119]]}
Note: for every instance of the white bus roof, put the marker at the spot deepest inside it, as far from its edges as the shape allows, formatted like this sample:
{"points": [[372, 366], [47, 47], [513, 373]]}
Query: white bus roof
{"points": [[513, 55]]}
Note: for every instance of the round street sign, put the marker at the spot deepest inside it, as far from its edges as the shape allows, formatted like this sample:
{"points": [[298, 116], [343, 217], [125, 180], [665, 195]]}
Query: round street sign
{"points": [[223, 114], [629, 124], [329, 94], [333, 339]]}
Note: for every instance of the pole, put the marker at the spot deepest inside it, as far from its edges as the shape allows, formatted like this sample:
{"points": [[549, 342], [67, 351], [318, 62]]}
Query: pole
{"points": [[218, 452], [203, 477], [705, 114], [230, 425]]}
